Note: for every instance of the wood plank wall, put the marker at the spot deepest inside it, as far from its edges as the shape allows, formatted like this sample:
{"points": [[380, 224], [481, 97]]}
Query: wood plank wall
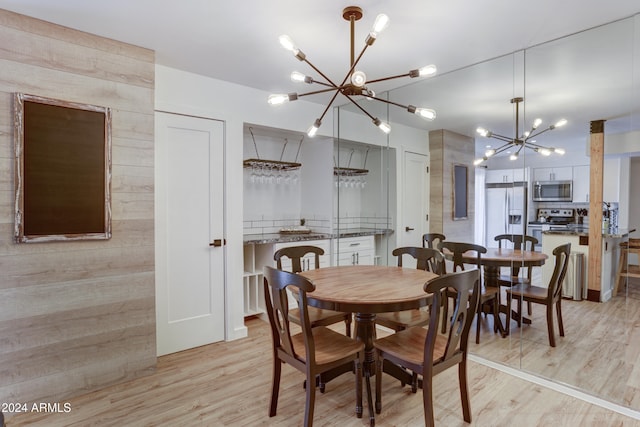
{"points": [[76, 316], [447, 148]]}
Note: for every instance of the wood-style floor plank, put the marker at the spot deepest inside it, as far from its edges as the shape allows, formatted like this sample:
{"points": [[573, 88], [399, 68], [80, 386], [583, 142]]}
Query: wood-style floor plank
{"points": [[228, 384]]}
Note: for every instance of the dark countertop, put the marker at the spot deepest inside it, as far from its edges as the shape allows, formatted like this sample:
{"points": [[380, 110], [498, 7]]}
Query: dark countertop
{"points": [[584, 231], [257, 239]]}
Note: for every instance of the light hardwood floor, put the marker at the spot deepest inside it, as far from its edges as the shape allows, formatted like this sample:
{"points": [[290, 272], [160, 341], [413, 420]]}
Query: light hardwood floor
{"points": [[228, 384]]}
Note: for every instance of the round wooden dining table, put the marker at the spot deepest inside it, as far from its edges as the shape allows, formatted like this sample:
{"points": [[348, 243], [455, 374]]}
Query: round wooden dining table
{"points": [[365, 290], [493, 260]]}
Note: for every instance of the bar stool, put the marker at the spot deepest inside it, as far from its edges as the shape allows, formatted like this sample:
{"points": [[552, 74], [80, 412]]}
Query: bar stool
{"points": [[624, 269]]}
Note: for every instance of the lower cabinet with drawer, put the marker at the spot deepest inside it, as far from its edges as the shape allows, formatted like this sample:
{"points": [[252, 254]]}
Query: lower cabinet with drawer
{"points": [[354, 250]]}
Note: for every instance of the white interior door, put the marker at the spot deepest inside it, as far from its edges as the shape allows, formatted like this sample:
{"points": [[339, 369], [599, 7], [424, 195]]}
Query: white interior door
{"points": [[415, 199], [189, 179]]}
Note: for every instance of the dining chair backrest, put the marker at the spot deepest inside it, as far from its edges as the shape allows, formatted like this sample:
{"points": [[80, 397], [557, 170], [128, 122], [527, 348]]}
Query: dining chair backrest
{"points": [[467, 286], [522, 242], [431, 240], [296, 253], [426, 258], [458, 248], [277, 305], [561, 254]]}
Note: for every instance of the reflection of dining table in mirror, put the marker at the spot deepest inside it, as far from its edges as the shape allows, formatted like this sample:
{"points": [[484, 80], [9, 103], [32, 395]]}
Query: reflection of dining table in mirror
{"points": [[496, 258], [366, 290]]}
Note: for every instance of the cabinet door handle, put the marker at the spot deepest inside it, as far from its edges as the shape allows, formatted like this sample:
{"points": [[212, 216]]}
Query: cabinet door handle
{"points": [[408, 229]]}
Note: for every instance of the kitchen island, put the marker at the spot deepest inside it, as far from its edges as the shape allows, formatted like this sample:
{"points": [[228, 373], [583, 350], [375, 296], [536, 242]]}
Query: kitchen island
{"points": [[579, 239]]}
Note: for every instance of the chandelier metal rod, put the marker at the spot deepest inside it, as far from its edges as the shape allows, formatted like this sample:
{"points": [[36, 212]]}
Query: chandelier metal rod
{"points": [[320, 72], [358, 105], [329, 105]]}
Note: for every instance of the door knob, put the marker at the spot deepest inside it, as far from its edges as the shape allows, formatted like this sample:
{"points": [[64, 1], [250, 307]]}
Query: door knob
{"points": [[408, 229], [218, 242]]}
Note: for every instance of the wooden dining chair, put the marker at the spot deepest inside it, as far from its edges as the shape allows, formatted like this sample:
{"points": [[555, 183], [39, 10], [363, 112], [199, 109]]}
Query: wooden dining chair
{"points": [[312, 351], [489, 295], [550, 296], [428, 352], [522, 242], [426, 259], [431, 240], [317, 316]]}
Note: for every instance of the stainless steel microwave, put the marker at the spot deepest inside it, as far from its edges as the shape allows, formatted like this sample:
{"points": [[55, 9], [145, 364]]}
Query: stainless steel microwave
{"points": [[553, 191]]}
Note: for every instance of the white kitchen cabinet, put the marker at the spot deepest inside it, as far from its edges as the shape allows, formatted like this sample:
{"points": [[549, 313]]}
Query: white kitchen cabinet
{"points": [[498, 176], [553, 174], [354, 250], [581, 184], [258, 255], [611, 181]]}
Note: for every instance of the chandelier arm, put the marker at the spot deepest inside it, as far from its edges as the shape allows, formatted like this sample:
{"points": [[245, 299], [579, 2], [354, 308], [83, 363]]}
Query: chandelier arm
{"points": [[502, 148], [386, 101], [539, 133], [315, 92], [536, 145], [333, 98], [501, 138], [389, 78], [360, 107], [320, 72]]}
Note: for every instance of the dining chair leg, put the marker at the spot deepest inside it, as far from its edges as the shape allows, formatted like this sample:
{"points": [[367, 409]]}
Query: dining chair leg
{"points": [[464, 391], [359, 408], [275, 388], [552, 340], [379, 362], [559, 312], [508, 322], [347, 324], [519, 312], [427, 399], [478, 320], [309, 406]]}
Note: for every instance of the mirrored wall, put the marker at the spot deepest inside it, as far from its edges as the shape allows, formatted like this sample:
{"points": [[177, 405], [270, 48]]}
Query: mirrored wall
{"points": [[588, 76]]}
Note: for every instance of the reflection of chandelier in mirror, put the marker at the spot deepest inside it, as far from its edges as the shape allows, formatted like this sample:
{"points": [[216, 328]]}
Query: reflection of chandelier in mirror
{"points": [[355, 82], [524, 141]]}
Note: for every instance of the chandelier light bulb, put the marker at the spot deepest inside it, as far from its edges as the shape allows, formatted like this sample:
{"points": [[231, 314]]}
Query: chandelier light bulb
{"points": [[537, 123], [514, 156], [381, 22], [426, 113], [358, 78], [561, 123], [476, 162], [278, 99], [489, 153], [298, 77], [311, 132], [384, 127], [288, 44], [482, 131], [544, 151], [559, 151]]}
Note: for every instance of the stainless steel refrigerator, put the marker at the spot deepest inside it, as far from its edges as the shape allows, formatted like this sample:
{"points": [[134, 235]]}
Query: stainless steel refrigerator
{"points": [[505, 210]]}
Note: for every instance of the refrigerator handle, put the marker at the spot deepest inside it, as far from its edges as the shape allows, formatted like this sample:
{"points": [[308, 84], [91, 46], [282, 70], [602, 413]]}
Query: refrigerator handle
{"points": [[506, 213]]}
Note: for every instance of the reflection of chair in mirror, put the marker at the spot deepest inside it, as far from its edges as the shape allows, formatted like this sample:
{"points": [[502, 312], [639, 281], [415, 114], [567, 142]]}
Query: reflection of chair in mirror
{"points": [[550, 296], [428, 352], [525, 243], [312, 351], [431, 240], [489, 295], [317, 316]]}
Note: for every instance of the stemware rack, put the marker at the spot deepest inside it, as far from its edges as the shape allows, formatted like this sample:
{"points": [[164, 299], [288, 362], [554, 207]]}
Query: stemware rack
{"points": [[273, 171]]}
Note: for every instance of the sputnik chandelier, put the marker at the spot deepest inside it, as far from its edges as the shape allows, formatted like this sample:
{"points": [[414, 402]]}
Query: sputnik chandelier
{"points": [[524, 141], [355, 82]]}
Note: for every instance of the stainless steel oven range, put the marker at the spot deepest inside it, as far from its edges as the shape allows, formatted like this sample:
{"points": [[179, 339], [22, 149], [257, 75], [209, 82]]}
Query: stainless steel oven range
{"points": [[550, 219]]}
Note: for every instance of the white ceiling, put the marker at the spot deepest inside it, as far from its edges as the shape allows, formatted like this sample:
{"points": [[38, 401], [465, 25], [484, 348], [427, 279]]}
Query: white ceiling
{"points": [[238, 41]]}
